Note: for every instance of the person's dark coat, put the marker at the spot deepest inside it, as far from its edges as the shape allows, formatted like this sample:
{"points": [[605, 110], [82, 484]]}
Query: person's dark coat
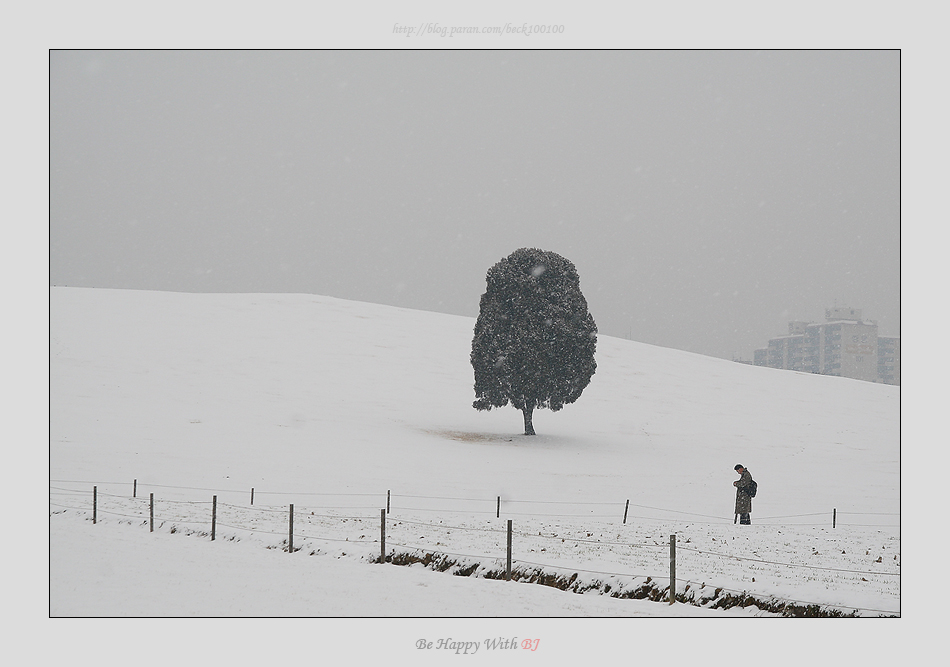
{"points": [[743, 499]]}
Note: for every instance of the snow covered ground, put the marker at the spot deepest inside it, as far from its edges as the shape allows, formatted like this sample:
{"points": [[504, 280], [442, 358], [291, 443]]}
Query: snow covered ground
{"points": [[330, 404]]}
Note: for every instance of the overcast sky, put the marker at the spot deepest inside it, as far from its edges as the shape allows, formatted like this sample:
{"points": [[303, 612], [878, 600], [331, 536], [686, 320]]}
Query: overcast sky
{"points": [[706, 198]]}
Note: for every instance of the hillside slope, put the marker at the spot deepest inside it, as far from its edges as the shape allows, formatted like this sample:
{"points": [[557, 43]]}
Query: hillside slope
{"points": [[301, 392]]}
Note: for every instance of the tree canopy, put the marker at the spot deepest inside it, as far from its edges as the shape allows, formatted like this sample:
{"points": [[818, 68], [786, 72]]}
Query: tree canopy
{"points": [[534, 339]]}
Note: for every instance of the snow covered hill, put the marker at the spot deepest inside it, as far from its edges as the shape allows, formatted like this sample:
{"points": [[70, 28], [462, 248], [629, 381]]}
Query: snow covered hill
{"points": [[301, 395]]}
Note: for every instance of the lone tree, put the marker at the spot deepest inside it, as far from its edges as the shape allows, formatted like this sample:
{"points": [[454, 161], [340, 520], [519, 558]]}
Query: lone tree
{"points": [[534, 339]]}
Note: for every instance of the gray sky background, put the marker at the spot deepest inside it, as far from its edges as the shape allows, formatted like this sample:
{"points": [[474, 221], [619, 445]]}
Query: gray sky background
{"points": [[706, 198]]}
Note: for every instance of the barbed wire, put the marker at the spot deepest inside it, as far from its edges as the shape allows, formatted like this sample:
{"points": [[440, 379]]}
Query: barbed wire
{"points": [[560, 502], [313, 493], [432, 525], [690, 522], [339, 507], [479, 500], [536, 514], [335, 539], [339, 516], [298, 509], [115, 495], [760, 523], [793, 516], [177, 502], [190, 488], [566, 516], [583, 541], [529, 535], [661, 509], [769, 562], [127, 516], [59, 488], [426, 509], [255, 508], [250, 530], [69, 507]]}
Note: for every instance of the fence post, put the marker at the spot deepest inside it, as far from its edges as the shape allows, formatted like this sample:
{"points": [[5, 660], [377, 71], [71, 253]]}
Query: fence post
{"points": [[290, 539], [387, 501], [498, 510], [151, 512], [672, 568], [135, 488], [214, 515], [382, 536], [834, 518], [94, 504], [508, 568], [252, 495], [625, 511]]}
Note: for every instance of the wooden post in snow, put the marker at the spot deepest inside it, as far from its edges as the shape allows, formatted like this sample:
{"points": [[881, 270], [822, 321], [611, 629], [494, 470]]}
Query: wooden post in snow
{"points": [[834, 518], [95, 501], [252, 495], [625, 511], [290, 539], [135, 488], [498, 509], [508, 568], [382, 536], [214, 515], [151, 512], [672, 569]]}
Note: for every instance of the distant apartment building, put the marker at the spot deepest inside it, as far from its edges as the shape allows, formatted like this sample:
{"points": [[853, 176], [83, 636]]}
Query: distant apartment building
{"points": [[787, 351], [844, 344], [889, 359]]}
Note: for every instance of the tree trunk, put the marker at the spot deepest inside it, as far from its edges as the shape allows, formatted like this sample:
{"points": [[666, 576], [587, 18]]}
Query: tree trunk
{"points": [[528, 410]]}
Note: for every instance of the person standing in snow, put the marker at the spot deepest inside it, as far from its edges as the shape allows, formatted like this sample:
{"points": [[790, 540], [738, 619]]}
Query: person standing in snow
{"points": [[743, 499]]}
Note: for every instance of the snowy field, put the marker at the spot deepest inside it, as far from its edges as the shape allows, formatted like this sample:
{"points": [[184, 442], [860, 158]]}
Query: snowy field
{"points": [[339, 406]]}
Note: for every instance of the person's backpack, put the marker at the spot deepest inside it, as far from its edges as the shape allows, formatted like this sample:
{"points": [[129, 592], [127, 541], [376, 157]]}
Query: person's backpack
{"points": [[752, 488]]}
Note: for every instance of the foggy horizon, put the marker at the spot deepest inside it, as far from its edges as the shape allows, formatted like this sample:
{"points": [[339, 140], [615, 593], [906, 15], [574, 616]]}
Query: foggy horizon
{"points": [[707, 198]]}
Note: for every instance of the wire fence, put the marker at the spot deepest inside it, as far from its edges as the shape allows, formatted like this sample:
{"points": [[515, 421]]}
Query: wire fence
{"points": [[334, 524], [512, 506]]}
